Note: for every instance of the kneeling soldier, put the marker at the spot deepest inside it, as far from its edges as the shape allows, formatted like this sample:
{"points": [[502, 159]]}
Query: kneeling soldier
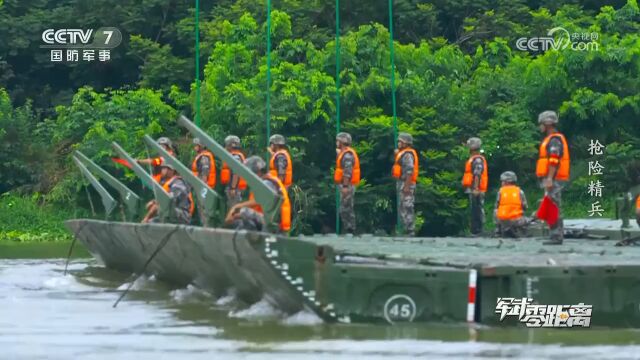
{"points": [[245, 212], [510, 206], [181, 199]]}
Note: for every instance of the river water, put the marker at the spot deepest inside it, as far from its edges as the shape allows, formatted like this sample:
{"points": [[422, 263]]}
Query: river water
{"points": [[47, 315]]}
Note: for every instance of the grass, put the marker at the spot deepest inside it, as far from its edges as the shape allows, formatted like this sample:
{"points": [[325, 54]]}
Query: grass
{"points": [[27, 219]]}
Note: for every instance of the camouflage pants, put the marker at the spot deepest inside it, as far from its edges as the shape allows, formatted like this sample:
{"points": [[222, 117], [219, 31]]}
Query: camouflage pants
{"points": [[406, 207], [202, 216], [557, 231], [512, 228], [249, 219], [476, 203], [179, 216], [347, 213], [233, 197]]}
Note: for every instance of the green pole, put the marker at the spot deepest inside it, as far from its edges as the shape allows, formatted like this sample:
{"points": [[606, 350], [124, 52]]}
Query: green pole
{"points": [[393, 76], [197, 30], [337, 103], [268, 110], [393, 101]]}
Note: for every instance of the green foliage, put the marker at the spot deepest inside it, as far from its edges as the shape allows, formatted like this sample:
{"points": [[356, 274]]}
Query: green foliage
{"points": [[28, 219], [458, 74]]}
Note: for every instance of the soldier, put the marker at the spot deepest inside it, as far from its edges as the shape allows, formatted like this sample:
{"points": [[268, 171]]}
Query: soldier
{"points": [[204, 167], [552, 168], [181, 199], [346, 176], [405, 171], [234, 184], [638, 210], [166, 143], [510, 206], [280, 164], [475, 182], [241, 217]]}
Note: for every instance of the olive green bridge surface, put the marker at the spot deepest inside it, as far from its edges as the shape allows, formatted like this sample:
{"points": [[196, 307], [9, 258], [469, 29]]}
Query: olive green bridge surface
{"points": [[373, 279]]}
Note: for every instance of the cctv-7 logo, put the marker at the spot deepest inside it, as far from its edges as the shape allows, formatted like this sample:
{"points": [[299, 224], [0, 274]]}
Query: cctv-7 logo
{"points": [[109, 33]]}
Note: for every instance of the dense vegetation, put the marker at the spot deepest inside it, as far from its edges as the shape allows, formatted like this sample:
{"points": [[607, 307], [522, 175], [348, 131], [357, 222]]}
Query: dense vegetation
{"points": [[458, 74]]}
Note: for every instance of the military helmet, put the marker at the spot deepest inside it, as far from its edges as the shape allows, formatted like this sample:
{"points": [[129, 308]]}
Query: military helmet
{"points": [[406, 138], [344, 138], [255, 163], [474, 143], [548, 118], [232, 141], [197, 141], [509, 176], [168, 166], [277, 139], [164, 141]]}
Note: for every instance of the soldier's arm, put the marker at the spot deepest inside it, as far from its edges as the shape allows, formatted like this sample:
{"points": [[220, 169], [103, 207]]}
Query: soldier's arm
{"points": [[408, 169], [555, 150], [525, 204], [477, 168], [235, 178], [157, 161], [347, 168], [281, 165], [205, 167]]}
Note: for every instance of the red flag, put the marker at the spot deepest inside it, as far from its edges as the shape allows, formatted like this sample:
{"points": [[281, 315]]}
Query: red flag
{"points": [[122, 162], [548, 211]]}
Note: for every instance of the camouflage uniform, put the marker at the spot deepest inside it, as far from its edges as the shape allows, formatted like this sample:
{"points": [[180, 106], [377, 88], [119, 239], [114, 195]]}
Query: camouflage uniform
{"points": [[406, 200], [203, 166], [555, 148], [477, 201], [511, 228], [347, 213], [249, 219], [232, 198], [281, 165], [180, 202]]}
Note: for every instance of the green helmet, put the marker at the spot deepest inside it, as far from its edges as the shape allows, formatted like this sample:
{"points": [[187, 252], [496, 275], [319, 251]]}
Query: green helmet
{"points": [[232, 141], [197, 141], [168, 166], [405, 138], [548, 118], [474, 143], [256, 164], [344, 138], [277, 139], [164, 141], [509, 176]]}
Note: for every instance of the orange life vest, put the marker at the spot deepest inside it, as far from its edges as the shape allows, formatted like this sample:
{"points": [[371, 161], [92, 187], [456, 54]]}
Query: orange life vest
{"points": [[285, 207], [396, 170], [211, 179], [167, 187], [542, 167], [638, 202], [156, 162], [467, 178], [225, 173], [510, 205], [288, 177], [339, 172]]}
